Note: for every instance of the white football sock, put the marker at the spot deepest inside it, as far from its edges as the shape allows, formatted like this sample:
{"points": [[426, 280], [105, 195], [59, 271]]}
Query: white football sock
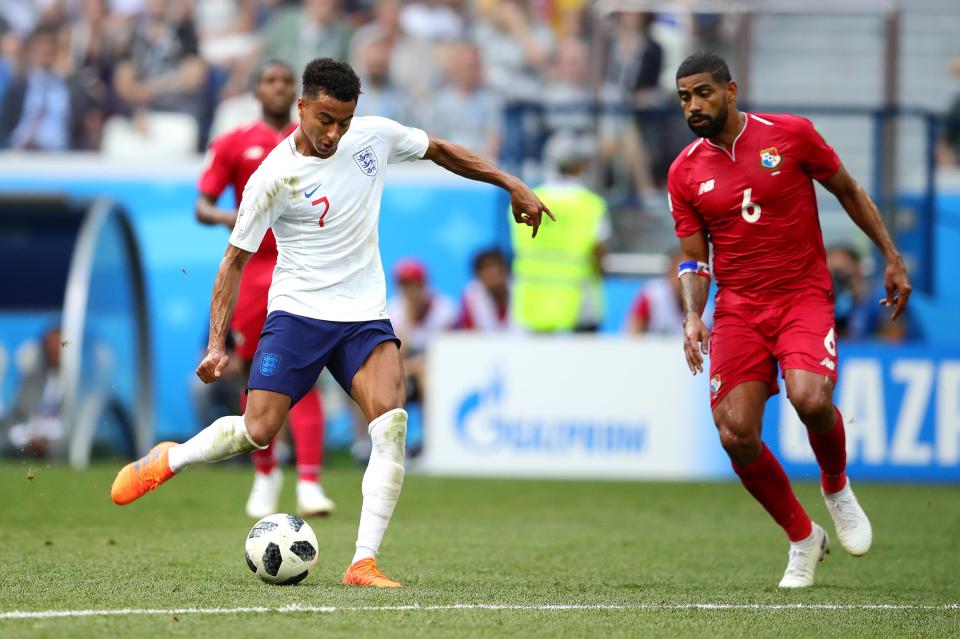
{"points": [[381, 481], [223, 438]]}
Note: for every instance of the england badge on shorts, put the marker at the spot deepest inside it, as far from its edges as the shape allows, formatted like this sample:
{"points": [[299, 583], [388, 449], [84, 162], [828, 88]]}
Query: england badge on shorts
{"points": [[269, 364], [366, 160], [770, 158]]}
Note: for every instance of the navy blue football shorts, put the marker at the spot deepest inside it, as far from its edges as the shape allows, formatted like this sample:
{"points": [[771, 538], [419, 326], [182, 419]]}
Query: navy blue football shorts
{"points": [[293, 350]]}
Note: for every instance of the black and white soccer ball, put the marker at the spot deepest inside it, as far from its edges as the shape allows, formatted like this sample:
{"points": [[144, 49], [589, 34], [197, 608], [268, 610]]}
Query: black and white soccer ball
{"points": [[281, 549]]}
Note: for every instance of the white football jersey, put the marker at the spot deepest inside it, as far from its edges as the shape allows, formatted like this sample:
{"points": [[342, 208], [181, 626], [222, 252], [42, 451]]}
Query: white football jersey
{"points": [[324, 214]]}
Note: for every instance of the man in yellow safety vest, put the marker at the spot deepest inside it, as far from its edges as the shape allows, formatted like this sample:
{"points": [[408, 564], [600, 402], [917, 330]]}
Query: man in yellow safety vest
{"points": [[557, 278]]}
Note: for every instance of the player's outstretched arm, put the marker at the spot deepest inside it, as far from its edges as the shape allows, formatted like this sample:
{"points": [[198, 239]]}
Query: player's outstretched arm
{"points": [[225, 289], [863, 211], [527, 207], [694, 291], [207, 212]]}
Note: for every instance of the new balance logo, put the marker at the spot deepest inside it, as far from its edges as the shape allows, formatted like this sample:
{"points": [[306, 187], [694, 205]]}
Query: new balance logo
{"points": [[829, 363], [706, 187]]}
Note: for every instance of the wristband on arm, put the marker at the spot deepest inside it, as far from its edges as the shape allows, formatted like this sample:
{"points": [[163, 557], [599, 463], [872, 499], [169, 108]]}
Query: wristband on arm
{"points": [[695, 267]]}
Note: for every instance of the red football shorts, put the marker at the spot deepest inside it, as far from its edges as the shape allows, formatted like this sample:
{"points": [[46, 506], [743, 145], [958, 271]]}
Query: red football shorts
{"points": [[251, 310], [750, 338]]}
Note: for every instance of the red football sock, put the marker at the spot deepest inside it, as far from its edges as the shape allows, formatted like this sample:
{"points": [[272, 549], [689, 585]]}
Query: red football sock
{"points": [[306, 427], [264, 460], [766, 481], [831, 451]]}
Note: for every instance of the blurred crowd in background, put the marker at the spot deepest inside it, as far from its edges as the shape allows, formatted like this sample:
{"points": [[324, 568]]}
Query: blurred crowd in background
{"points": [[113, 75], [119, 76]]}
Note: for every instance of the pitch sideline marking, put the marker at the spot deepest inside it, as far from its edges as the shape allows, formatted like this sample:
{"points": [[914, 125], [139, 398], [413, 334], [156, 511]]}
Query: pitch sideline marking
{"points": [[55, 614]]}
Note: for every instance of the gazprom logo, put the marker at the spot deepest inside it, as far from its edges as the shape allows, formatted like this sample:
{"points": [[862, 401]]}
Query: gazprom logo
{"points": [[483, 425]]}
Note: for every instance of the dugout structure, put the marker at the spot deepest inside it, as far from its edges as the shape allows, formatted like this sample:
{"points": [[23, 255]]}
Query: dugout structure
{"points": [[76, 264]]}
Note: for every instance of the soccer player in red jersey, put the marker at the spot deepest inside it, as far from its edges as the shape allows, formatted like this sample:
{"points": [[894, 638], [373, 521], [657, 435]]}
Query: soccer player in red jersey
{"points": [[232, 159], [746, 187]]}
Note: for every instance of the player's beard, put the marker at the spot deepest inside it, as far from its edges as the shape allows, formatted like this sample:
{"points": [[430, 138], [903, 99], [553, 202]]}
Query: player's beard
{"points": [[710, 126]]}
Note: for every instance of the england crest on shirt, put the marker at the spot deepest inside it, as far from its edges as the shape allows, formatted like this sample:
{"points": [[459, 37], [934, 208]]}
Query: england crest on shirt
{"points": [[770, 158], [367, 161]]}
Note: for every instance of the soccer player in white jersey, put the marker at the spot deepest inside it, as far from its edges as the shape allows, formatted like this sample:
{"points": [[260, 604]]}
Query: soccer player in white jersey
{"points": [[319, 190]]}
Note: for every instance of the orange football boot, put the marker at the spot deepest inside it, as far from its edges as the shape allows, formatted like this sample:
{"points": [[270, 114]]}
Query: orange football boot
{"points": [[138, 478], [365, 573]]}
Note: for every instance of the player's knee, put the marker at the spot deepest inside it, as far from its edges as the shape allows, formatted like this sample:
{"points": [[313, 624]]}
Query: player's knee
{"points": [[812, 406], [741, 446], [260, 432], [263, 425]]}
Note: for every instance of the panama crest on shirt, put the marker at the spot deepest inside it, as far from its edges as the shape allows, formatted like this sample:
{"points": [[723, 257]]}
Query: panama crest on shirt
{"points": [[770, 158]]}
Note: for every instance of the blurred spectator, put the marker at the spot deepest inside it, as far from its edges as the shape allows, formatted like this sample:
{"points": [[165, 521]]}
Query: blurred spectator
{"points": [[658, 308], [515, 49], [635, 59], [465, 110], [411, 61], [558, 282], [567, 94], [11, 54], [163, 71], [23, 17], [485, 305], [859, 315], [34, 422], [566, 98], [229, 42], [418, 314], [37, 104], [433, 19], [93, 44], [298, 34], [565, 17], [380, 96], [948, 150], [852, 306]]}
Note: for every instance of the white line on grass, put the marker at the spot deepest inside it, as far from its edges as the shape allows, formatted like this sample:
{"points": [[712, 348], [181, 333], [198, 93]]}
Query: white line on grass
{"points": [[120, 612]]}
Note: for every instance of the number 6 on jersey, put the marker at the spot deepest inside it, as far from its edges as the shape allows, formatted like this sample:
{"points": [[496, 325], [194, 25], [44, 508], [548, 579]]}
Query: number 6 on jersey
{"points": [[749, 210]]}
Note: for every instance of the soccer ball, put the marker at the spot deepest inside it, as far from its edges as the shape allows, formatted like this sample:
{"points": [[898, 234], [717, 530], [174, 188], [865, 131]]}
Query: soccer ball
{"points": [[281, 549]]}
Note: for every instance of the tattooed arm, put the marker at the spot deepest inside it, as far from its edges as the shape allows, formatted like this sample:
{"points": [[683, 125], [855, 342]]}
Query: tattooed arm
{"points": [[694, 291]]}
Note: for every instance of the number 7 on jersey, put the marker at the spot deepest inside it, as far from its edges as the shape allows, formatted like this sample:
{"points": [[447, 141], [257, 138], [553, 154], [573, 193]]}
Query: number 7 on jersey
{"points": [[326, 207]]}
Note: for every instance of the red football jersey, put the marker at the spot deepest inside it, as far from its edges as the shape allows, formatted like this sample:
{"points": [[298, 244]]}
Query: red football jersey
{"points": [[232, 159], [756, 201]]}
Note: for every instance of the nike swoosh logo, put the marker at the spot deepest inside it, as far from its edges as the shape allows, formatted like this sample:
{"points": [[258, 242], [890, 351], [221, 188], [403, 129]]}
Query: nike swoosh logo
{"points": [[307, 194]]}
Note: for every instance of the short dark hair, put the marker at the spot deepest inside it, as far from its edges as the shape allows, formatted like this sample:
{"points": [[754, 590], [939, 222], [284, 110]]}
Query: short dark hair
{"points": [[336, 79], [488, 255], [266, 64], [705, 62]]}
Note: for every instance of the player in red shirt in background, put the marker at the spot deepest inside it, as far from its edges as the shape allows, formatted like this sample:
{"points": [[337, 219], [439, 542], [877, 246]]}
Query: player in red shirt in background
{"points": [[747, 186], [232, 159]]}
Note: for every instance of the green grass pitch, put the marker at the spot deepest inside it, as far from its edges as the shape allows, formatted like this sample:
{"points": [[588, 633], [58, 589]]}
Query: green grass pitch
{"points": [[644, 549]]}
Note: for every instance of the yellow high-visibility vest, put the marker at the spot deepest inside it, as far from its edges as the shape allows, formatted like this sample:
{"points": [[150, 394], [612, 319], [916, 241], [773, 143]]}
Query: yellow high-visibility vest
{"points": [[552, 271]]}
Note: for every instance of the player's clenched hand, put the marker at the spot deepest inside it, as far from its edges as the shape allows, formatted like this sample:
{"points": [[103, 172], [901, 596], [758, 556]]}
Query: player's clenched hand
{"points": [[527, 207], [696, 336], [212, 365], [898, 287]]}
